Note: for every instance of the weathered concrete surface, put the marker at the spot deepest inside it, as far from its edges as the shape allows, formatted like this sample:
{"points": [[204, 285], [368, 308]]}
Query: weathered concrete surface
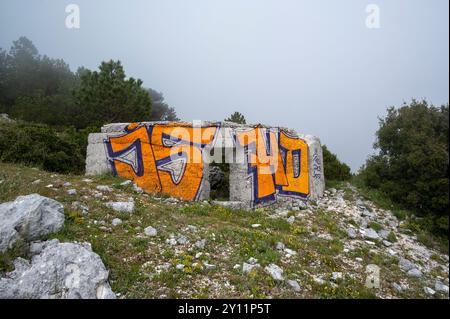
{"points": [[140, 152]]}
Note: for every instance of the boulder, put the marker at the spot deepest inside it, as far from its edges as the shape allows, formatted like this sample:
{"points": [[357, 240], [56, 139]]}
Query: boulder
{"points": [[29, 217], [58, 271]]}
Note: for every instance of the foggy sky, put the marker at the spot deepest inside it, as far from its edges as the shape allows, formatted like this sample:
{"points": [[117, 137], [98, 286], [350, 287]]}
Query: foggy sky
{"points": [[309, 65]]}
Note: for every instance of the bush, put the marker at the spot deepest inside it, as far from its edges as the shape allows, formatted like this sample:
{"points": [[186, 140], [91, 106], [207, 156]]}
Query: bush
{"points": [[43, 146], [334, 169], [412, 165]]}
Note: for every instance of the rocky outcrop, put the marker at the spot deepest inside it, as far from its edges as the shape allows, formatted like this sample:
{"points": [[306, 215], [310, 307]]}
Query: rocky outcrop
{"points": [[58, 270], [29, 217]]}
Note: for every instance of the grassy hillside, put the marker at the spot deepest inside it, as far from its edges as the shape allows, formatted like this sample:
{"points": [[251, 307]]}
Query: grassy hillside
{"points": [[145, 267]]}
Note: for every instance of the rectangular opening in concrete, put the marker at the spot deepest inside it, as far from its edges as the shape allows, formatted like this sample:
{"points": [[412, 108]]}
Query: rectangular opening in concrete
{"points": [[219, 180]]}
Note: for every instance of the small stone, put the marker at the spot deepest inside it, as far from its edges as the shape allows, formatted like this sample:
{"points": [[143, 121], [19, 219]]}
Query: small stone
{"points": [[208, 266], [200, 244], [104, 188], [116, 222], [415, 273], [359, 259], [387, 243], [336, 276], [318, 280], [105, 229], [391, 252], [275, 271], [397, 287], [179, 266], [137, 189], [440, 287], [35, 182], [198, 255], [384, 233], [429, 291], [291, 219], [237, 266], [290, 252], [71, 192], [171, 241], [280, 246], [370, 234], [252, 261], [150, 231], [281, 212], [125, 183], [294, 285], [67, 184], [364, 222], [367, 213], [351, 233], [256, 225], [181, 240], [171, 200], [246, 268], [126, 207], [87, 180], [404, 264], [192, 228]]}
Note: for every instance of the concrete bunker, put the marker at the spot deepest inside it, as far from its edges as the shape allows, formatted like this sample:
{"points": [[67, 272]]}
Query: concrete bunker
{"points": [[267, 166]]}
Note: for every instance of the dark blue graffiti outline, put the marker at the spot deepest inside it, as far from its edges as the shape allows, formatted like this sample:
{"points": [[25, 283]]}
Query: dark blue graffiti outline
{"points": [[253, 170], [169, 159], [179, 141], [112, 156]]}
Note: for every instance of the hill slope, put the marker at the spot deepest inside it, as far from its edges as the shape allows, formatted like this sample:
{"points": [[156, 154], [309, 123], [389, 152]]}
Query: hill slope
{"points": [[199, 249]]}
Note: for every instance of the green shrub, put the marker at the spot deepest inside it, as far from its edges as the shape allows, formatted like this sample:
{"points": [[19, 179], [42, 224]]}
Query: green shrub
{"points": [[411, 167], [391, 237], [46, 147], [334, 169]]}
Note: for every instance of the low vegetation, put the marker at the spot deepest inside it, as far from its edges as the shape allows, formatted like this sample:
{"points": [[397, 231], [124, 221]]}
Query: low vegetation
{"points": [[145, 267], [333, 168]]}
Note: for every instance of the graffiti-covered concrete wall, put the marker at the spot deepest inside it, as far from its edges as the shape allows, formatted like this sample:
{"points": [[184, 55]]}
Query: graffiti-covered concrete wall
{"points": [[268, 165]]}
